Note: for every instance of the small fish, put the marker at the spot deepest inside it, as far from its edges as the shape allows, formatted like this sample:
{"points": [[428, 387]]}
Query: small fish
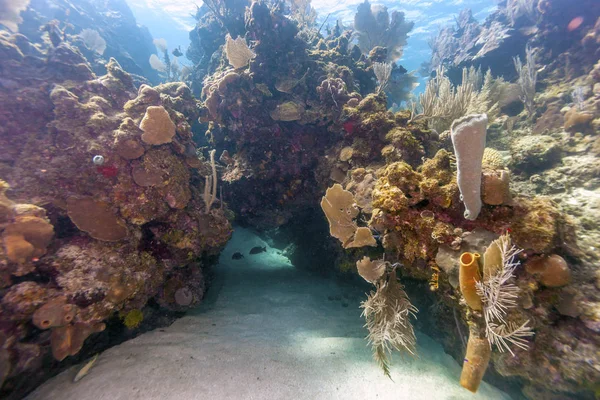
{"points": [[177, 52], [86, 369], [237, 256], [575, 23], [257, 250]]}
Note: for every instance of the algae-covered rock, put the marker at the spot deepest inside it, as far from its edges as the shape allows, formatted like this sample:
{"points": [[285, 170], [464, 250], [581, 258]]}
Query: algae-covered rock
{"points": [[534, 152], [288, 111], [537, 224]]}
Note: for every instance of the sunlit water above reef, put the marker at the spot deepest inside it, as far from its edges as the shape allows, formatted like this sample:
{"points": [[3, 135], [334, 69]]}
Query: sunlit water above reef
{"points": [[266, 331]]}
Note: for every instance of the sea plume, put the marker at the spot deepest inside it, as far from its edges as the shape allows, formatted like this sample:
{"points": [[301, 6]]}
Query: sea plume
{"points": [[499, 295], [387, 312]]}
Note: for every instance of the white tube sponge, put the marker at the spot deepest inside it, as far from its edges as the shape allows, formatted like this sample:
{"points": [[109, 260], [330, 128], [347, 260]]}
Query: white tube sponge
{"points": [[468, 138]]}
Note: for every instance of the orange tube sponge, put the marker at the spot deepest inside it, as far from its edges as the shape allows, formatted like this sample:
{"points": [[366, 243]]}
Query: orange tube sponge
{"points": [[54, 313], [475, 363], [468, 275]]}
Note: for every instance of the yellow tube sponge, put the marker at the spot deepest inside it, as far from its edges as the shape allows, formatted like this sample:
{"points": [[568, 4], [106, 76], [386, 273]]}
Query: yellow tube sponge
{"points": [[468, 275], [475, 363], [492, 258]]}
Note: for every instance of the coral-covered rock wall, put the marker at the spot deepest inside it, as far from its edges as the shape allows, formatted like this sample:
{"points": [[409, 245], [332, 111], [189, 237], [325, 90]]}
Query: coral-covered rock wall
{"points": [[102, 205], [277, 124]]}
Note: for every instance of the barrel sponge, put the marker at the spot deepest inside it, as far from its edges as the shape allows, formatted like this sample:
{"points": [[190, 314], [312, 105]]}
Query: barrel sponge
{"points": [[157, 126], [468, 138], [54, 313]]}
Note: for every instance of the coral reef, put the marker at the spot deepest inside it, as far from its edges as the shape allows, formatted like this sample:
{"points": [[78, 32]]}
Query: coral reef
{"points": [[502, 36], [105, 208], [541, 164], [117, 188], [278, 117]]}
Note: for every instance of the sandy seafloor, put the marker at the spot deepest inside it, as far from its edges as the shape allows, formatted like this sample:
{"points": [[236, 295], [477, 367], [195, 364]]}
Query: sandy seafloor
{"points": [[265, 331]]}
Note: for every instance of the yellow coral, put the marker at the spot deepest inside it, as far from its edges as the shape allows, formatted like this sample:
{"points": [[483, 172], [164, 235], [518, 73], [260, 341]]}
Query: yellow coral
{"points": [[133, 318], [399, 186], [492, 159]]}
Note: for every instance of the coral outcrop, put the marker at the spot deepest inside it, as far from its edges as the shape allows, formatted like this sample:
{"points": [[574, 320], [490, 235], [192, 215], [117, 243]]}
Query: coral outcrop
{"points": [[539, 164], [105, 208], [282, 114]]}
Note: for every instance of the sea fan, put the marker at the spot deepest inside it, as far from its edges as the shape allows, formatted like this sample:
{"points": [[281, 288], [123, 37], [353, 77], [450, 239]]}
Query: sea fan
{"points": [[387, 312], [237, 51], [157, 64], [499, 296], [93, 40]]}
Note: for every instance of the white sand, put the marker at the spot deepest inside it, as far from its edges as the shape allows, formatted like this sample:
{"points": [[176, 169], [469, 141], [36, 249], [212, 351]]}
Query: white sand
{"points": [[267, 331]]}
